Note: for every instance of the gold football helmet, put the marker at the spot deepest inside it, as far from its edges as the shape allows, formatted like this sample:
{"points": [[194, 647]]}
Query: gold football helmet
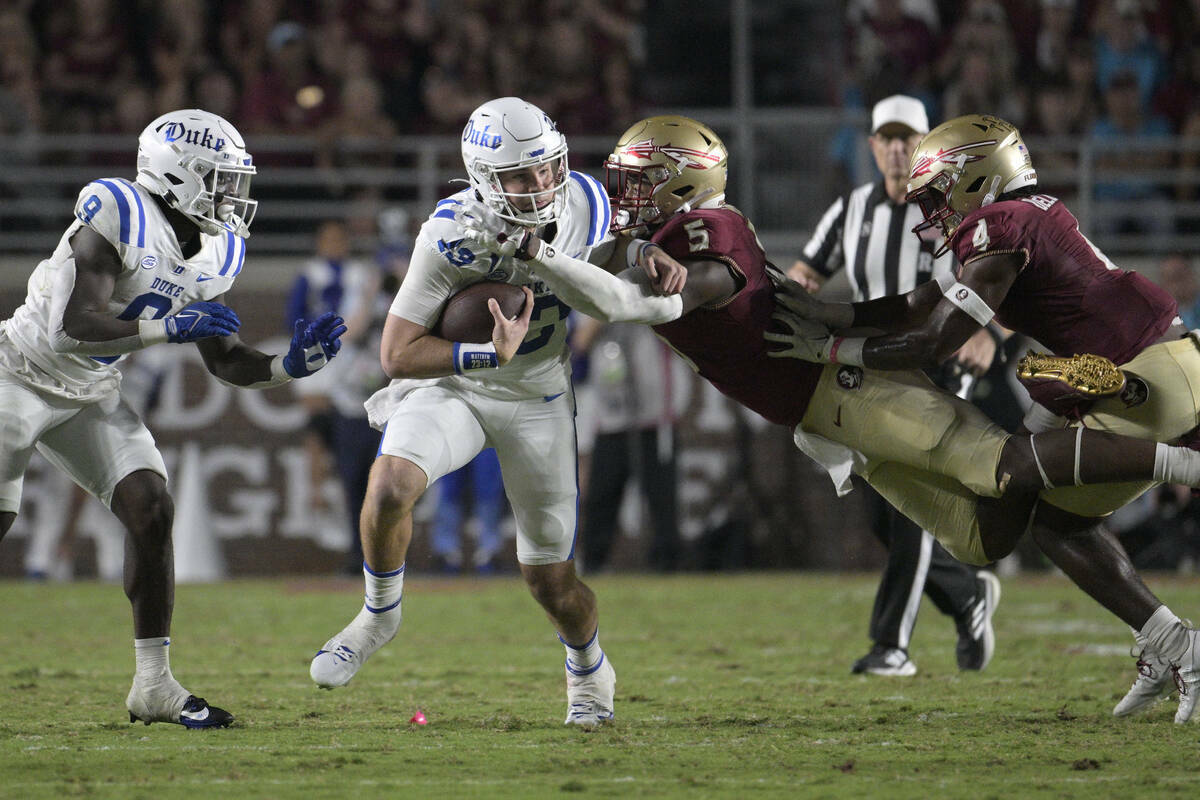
{"points": [[661, 166], [965, 164]]}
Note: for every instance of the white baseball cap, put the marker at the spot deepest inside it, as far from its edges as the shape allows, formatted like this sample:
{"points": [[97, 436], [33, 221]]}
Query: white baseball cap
{"points": [[900, 109]]}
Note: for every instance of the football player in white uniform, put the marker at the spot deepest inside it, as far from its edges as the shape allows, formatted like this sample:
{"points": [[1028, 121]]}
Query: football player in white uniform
{"points": [[450, 400], [144, 262]]}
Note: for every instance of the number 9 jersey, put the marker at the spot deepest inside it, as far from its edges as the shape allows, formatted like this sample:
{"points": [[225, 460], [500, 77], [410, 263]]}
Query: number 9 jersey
{"points": [[155, 281]]}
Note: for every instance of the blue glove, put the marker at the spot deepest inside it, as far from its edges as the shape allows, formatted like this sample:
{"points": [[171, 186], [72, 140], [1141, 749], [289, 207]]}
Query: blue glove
{"points": [[200, 321], [313, 344]]}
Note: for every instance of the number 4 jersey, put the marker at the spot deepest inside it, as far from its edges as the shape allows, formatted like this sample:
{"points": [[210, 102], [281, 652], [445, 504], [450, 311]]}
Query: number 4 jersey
{"points": [[155, 281]]}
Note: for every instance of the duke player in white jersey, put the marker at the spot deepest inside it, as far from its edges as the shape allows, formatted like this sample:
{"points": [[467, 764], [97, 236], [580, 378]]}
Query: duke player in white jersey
{"points": [[145, 262], [450, 400]]}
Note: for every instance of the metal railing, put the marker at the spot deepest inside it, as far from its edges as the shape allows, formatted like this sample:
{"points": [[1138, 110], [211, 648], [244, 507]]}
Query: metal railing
{"points": [[800, 159]]}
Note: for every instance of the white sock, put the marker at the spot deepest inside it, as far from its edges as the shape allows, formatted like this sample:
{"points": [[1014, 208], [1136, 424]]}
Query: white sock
{"points": [[384, 589], [153, 661], [1165, 635], [583, 659], [1176, 465]]}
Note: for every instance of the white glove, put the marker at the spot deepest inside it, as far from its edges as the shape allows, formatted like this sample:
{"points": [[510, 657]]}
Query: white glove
{"points": [[487, 230], [806, 339]]}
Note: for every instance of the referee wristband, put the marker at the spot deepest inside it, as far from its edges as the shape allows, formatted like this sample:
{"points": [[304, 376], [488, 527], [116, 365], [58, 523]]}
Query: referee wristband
{"points": [[469, 356]]}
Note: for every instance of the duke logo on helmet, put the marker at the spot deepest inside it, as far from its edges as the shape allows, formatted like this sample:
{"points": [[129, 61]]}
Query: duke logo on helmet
{"points": [[481, 138], [174, 130]]}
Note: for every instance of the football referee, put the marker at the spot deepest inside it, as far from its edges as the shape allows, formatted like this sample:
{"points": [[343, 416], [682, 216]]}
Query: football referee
{"points": [[868, 232]]}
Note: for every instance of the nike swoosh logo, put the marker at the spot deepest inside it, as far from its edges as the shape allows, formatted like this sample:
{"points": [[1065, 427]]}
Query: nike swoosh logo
{"points": [[547, 398], [202, 278], [837, 420], [196, 716]]}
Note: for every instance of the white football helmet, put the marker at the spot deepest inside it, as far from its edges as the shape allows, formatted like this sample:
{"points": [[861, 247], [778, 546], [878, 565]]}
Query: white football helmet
{"points": [[198, 163], [506, 135]]}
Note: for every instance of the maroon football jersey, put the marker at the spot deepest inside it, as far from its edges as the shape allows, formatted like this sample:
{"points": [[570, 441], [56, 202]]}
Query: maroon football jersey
{"points": [[725, 343], [1069, 296]]}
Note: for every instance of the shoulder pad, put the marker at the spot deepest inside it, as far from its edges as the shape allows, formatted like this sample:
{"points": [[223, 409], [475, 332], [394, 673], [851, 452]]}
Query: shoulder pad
{"points": [[987, 230], [703, 232], [115, 210], [235, 255], [599, 209]]}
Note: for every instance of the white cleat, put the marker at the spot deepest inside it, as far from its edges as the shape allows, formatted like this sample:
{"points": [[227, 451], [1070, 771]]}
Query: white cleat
{"points": [[172, 703], [1154, 680], [1187, 677], [343, 655], [590, 697]]}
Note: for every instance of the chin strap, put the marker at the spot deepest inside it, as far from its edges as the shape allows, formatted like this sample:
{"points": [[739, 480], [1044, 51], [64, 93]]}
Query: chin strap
{"points": [[695, 201], [990, 197]]}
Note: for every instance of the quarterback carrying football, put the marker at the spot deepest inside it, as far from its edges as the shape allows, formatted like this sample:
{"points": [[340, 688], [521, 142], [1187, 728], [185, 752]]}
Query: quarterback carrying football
{"points": [[450, 400]]}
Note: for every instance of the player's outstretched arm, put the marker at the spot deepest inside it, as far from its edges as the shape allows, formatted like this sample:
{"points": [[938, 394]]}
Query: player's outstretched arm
{"points": [[942, 317], [581, 285], [313, 345], [666, 275], [931, 322]]}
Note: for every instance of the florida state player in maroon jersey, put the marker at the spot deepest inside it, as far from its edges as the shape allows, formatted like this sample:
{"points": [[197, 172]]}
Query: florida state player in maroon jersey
{"points": [[937, 458], [1026, 264]]}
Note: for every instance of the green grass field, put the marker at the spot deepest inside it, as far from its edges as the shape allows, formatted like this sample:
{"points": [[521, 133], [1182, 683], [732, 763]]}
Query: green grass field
{"points": [[728, 686]]}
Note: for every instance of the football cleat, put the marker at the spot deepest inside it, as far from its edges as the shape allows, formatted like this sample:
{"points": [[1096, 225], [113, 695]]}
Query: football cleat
{"points": [[590, 696], [976, 637], [1153, 682], [883, 660], [1092, 376], [194, 713], [1088, 374], [1187, 677], [1069, 386], [343, 655]]}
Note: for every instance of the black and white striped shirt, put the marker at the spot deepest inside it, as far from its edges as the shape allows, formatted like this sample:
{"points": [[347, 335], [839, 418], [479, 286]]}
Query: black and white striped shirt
{"points": [[871, 237]]}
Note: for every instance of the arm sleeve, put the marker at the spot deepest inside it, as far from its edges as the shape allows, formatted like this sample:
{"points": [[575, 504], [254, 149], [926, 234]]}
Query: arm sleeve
{"points": [[60, 342], [595, 292]]}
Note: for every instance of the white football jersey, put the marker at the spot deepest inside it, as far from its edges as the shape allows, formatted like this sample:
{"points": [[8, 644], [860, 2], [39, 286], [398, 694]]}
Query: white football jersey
{"points": [[156, 281], [442, 265]]}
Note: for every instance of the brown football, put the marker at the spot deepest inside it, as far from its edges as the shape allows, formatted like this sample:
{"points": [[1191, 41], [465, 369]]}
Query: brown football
{"points": [[466, 317]]}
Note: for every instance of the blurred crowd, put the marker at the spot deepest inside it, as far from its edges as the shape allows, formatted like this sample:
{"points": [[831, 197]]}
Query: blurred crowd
{"points": [[1108, 70], [330, 68], [1057, 67]]}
